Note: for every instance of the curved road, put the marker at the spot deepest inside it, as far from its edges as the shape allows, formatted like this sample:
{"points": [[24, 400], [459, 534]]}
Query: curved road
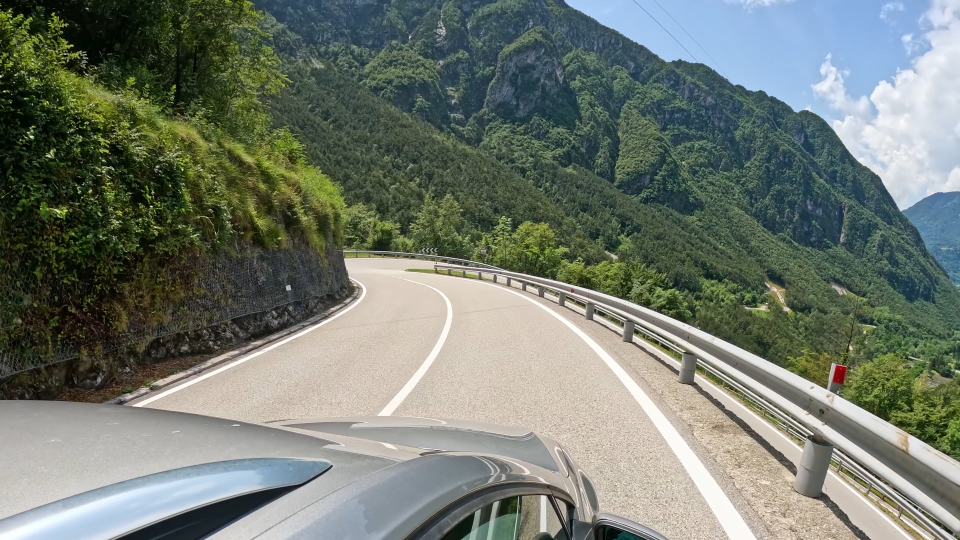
{"points": [[428, 345]]}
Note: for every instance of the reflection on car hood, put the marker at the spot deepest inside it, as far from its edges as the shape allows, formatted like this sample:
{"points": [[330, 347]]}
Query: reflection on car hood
{"points": [[434, 434]]}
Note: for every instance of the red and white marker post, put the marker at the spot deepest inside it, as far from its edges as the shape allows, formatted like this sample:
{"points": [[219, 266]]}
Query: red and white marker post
{"points": [[838, 374]]}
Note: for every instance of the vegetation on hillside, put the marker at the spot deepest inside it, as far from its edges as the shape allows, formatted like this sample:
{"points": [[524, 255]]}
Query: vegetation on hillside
{"points": [[105, 198]]}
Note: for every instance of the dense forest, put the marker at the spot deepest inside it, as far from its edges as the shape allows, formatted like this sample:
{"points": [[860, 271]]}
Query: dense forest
{"points": [[937, 217], [571, 152], [135, 140]]}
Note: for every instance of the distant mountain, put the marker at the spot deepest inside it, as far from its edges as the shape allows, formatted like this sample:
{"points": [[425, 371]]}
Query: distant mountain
{"points": [[705, 178], [938, 219]]}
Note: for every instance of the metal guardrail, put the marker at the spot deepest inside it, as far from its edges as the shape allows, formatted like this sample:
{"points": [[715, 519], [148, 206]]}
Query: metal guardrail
{"points": [[422, 256], [907, 476]]}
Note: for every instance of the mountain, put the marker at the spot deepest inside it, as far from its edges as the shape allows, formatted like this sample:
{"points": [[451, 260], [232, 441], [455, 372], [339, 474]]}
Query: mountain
{"points": [[938, 219], [529, 108]]}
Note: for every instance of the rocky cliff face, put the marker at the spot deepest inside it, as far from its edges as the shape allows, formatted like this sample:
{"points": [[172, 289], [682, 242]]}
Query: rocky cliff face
{"points": [[530, 79]]}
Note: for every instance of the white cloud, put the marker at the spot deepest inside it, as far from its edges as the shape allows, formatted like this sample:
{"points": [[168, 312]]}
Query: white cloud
{"points": [[750, 4], [908, 130], [911, 45], [886, 12]]}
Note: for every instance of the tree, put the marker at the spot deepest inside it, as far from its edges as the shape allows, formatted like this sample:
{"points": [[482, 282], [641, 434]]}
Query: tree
{"points": [[882, 387], [614, 278], [203, 57], [931, 412], [814, 367], [950, 442], [575, 273], [439, 225], [537, 251]]}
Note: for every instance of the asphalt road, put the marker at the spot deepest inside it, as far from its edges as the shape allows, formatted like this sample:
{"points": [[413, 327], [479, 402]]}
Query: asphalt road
{"points": [[442, 347]]}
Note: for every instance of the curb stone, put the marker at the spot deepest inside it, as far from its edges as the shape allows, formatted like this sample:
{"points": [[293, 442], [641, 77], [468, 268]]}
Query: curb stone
{"points": [[235, 353]]}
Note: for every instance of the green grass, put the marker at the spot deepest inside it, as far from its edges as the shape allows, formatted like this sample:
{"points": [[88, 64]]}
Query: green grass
{"points": [[443, 272]]}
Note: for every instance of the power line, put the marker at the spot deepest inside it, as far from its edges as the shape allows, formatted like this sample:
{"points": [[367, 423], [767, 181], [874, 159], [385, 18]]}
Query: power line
{"points": [[667, 31], [691, 37]]}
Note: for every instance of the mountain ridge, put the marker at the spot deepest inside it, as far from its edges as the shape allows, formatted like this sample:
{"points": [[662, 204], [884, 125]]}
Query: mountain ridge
{"points": [[571, 105], [937, 218]]}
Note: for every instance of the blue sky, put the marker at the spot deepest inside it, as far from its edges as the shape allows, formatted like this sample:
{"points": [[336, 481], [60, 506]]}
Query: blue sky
{"points": [[776, 48], [884, 73]]}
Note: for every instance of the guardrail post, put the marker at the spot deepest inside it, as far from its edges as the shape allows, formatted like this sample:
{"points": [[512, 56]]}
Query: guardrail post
{"points": [[588, 312], [494, 278], [562, 299], [523, 285], [628, 331], [508, 282], [688, 368], [480, 276], [435, 271], [814, 464], [449, 272], [540, 291]]}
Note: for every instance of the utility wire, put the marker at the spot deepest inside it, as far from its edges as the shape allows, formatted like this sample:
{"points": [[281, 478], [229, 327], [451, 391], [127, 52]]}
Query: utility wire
{"points": [[667, 31], [691, 37]]}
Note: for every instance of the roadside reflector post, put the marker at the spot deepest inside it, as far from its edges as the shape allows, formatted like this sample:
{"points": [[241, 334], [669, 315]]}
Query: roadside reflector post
{"points": [[688, 368], [562, 299], [628, 331], [814, 464], [588, 313], [523, 285], [540, 291], [838, 374]]}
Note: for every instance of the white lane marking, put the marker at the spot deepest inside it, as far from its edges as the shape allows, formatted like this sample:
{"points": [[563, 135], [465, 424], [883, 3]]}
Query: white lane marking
{"points": [[412, 383], [236, 363], [727, 514]]}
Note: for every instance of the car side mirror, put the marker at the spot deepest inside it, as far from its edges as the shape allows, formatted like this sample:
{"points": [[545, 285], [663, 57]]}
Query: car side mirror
{"points": [[610, 527]]}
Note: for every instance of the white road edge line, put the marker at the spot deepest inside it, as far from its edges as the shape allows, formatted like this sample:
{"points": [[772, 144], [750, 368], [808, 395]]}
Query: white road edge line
{"points": [[727, 514], [412, 383], [236, 363]]}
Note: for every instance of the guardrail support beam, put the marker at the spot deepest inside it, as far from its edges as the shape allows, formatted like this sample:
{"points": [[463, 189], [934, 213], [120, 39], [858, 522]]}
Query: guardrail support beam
{"points": [[628, 331], [814, 464], [688, 368], [588, 312], [540, 291], [562, 299]]}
